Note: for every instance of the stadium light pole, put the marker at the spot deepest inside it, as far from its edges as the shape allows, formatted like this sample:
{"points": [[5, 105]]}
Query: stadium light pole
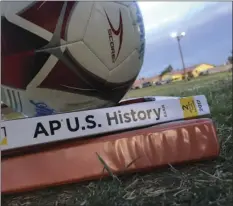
{"points": [[179, 36]]}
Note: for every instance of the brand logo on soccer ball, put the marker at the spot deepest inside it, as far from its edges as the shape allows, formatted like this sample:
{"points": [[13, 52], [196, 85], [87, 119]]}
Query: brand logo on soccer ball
{"points": [[118, 32]]}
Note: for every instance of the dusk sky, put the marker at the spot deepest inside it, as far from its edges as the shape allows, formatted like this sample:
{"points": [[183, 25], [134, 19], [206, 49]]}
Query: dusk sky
{"points": [[208, 27]]}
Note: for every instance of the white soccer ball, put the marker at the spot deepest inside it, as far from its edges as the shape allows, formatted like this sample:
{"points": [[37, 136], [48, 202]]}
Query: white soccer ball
{"points": [[68, 56]]}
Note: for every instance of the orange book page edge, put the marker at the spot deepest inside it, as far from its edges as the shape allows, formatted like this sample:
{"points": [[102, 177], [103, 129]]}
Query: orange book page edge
{"points": [[146, 148]]}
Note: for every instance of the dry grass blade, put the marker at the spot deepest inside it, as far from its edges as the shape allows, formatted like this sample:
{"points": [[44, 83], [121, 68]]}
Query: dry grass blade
{"points": [[132, 162], [106, 167]]}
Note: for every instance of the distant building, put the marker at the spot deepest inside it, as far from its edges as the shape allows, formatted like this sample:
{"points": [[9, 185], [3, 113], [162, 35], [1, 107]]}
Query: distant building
{"points": [[138, 84], [223, 68], [176, 75], [193, 71], [173, 76], [201, 68], [154, 79]]}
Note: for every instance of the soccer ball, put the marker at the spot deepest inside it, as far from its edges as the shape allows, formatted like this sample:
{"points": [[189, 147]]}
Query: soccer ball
{"points": [[68, 56]]}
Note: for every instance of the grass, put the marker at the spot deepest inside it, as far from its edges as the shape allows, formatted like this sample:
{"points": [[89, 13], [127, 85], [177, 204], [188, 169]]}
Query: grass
{"points": [[203, 183]]}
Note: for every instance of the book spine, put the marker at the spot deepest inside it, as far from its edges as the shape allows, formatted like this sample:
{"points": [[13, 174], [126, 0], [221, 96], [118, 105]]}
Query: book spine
{"points": [[40, 130]]}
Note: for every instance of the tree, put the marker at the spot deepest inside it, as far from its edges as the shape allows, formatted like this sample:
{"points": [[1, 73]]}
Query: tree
{"points": [[142, 78], [168, 69]]}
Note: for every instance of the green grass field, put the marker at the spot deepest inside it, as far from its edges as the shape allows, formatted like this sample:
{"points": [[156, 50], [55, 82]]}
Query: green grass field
{"points": [[198, 184]]}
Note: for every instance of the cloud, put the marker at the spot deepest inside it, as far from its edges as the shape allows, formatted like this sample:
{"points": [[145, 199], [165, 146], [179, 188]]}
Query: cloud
{"points": [[208, 26], [211, 12], [162, 18], [162, 13]]}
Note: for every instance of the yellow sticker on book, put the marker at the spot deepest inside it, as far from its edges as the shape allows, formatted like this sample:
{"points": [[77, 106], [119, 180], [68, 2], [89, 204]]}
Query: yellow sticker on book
{"points": [[4, 141], [3, 136], [188, 106]]}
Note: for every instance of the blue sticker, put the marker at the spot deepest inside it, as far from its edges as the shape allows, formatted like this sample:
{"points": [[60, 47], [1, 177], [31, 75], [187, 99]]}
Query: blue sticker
{"points": [[42, 109]]}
